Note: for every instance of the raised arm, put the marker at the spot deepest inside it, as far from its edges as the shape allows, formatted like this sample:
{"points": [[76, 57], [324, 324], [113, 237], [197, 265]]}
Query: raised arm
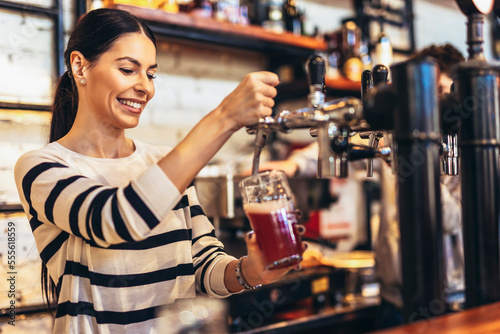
{"points": [[53, 193], [252, 99]]}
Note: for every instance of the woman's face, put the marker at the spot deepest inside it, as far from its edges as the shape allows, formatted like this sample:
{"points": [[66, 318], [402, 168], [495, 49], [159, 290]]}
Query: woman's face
{"points": [[120, 82]]}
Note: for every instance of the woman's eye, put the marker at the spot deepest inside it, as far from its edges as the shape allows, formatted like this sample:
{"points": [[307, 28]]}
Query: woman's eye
{"points": [[126, 70], [151, 76]]}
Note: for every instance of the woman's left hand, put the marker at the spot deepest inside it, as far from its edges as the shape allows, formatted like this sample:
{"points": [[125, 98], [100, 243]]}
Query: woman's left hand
{"points": [[254, 266]]}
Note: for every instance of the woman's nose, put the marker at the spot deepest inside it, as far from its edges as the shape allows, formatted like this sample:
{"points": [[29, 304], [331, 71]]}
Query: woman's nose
{"points": [[145, 85]]}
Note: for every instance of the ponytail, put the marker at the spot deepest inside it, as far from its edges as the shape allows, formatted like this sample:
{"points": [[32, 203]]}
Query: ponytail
{"points": [[50, 292], [63, 116], [64, 107]]}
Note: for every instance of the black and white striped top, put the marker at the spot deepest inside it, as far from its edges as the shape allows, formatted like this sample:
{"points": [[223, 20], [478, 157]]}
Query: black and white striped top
{"points": [[117, 237]]}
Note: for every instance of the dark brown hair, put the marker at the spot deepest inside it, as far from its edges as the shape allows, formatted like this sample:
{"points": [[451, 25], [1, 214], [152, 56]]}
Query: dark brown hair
{"points": [[447, 56], [94, 34]]}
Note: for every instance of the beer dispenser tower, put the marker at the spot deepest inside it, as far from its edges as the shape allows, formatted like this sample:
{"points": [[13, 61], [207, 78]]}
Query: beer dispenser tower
{"points": [[476, 85], [410, 110]]}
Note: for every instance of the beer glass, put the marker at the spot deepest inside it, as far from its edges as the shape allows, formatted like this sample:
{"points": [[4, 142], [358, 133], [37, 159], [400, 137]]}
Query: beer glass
{"points": [[268, 204]]}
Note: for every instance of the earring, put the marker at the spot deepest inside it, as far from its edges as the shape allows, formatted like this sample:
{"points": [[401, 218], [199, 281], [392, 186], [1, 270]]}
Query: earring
{"points": [[83, 81]]}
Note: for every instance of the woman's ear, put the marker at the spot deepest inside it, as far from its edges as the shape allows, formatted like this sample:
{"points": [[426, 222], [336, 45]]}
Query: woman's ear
{"points": [[78, 66]]}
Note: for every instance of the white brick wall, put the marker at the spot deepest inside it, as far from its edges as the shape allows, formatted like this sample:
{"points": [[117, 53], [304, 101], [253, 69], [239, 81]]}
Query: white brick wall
{"points": [[25, 58]]}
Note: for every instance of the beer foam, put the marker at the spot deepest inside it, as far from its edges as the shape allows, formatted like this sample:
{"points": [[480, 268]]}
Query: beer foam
{"points": [[266, 207]]}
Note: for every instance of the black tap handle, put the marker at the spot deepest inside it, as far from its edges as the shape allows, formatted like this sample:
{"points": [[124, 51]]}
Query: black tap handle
{"points": [[380, 73], [361, 154], [366, 83], [451, 118], [316, 70]]}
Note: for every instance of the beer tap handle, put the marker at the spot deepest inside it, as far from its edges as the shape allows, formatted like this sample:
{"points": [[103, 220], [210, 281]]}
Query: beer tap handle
{"points": [[380, 73], [373, 142], [366, 83], [316, 70], [357, 152], [260, 141], [450, 123]]}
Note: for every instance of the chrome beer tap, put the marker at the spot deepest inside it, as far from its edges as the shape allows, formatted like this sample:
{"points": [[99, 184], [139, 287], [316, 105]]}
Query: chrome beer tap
{"points": [[331, 162], [369, 79], [450, 159], [450, 123], [331, 122]]}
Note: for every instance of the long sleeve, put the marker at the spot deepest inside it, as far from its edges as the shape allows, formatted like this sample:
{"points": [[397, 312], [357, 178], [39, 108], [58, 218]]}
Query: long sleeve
{"points": [[53, 192], [117, 237], [209, 258]]}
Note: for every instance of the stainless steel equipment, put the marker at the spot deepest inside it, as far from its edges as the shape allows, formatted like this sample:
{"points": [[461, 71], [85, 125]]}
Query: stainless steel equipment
{"points": [[408, 107], [478, 104], [220, 197], [410, 110], [332, 122]]}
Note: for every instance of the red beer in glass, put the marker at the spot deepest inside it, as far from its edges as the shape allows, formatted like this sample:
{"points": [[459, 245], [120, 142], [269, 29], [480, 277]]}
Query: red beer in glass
{"points": [[268, 204]]}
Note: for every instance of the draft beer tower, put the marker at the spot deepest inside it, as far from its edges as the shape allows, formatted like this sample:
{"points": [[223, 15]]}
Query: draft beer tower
{"points": [[477, 92]]}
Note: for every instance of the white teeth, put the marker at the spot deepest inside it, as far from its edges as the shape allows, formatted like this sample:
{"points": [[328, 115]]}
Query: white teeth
{"points": [[131, 104]]}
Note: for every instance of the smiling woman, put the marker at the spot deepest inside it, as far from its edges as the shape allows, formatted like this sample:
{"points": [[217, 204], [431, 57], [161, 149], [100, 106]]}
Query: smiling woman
{"points": [[116, 88], [117, 222]]}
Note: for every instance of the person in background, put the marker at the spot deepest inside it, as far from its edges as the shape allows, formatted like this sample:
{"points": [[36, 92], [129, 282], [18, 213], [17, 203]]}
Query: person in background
{"points": [[116, 221], [387, 258]]}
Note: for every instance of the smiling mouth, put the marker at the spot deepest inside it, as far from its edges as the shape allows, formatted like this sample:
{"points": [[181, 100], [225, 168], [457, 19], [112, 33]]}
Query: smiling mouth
{"points": [[136, 105]]}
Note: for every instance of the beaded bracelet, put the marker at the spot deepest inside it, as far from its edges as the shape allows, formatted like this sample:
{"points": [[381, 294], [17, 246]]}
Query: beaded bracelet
{"points": [[241, 278]]}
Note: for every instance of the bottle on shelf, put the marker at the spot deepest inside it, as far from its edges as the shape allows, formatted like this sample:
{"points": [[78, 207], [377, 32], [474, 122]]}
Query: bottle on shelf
{"points": [[364, 53], [154, 4], [382, 52], [201, 8], [227, 10], [170, 6], [291, 17], [184, 6], [345, 47], [274, 16], [256, 11]]}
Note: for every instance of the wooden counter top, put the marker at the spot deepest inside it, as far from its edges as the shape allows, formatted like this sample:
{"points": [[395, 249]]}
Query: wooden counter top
{"points": [[483, 319]]}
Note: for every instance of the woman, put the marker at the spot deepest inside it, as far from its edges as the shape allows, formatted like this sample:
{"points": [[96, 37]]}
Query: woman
{"points": [[117, 222]]}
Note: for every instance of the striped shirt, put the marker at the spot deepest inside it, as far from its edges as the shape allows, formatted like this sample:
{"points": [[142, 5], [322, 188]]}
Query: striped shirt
{"points": [[118, 238]]}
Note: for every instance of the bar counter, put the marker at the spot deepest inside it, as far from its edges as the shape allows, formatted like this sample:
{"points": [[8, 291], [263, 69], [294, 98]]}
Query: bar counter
{"points": [[335, 320], [482, 319]]}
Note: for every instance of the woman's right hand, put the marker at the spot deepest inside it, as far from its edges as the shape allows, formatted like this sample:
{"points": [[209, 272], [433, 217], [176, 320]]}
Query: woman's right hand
{"points": [[251, 100]]}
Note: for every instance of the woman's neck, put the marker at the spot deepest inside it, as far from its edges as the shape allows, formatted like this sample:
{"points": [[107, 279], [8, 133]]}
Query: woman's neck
{"points": [[97, 145]]}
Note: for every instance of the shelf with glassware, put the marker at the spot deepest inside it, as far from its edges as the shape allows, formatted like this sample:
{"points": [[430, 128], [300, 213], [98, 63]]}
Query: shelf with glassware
{"points": [[202, 29], [285, 45]]}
